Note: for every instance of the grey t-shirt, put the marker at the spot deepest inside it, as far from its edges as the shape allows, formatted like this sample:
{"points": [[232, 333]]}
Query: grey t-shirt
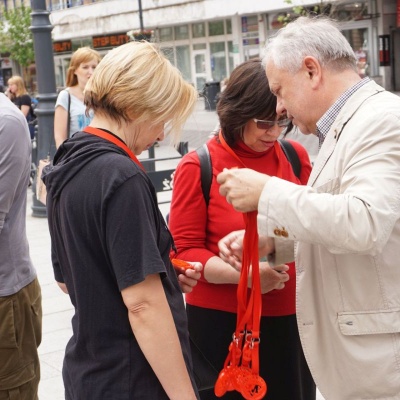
{"points": [[77, 112], [16, 268]]}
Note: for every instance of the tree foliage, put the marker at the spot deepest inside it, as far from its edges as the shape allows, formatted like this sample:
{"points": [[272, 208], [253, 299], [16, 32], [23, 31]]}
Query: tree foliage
{"points": [[323, 7], [15, 35], [335, 9]]}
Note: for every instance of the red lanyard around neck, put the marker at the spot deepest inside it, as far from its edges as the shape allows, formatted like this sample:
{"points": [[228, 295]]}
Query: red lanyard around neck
{"points": [[113, 139], [277, 147]]}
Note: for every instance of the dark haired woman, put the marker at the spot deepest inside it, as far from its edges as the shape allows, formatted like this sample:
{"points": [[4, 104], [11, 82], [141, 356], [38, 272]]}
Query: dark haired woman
{"points": [[250, 127]]}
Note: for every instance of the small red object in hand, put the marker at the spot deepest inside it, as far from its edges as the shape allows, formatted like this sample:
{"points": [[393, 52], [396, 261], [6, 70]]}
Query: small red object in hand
{"points": [[177, 263]]}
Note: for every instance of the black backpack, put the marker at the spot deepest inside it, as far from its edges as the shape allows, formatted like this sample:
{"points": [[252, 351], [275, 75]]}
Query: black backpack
{"points": [[206, 166]]}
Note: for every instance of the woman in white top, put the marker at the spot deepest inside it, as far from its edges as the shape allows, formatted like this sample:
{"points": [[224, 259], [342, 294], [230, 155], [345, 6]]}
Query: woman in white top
{"points": [[70, 115]]}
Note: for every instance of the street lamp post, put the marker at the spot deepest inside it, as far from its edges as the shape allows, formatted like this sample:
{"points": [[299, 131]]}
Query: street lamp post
{"points": [[149, 165], [46, 86], [140, 15]]}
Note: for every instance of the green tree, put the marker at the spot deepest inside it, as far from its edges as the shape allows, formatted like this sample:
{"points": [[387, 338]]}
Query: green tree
{"points": [[333, 8], [322, 7], [15, 35]]}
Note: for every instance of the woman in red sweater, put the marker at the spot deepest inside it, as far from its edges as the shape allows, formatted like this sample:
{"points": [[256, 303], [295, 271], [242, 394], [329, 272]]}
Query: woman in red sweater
{"points": [[245, 109]]}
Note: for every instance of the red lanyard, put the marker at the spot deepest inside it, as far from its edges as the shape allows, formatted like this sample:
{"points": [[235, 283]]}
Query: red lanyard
{"points": [[179, 264], [241, 368], [113, 139], [277, 147]]}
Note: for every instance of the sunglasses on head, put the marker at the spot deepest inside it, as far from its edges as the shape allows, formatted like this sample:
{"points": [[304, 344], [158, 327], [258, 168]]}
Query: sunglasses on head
{"points": [[263, 124]]}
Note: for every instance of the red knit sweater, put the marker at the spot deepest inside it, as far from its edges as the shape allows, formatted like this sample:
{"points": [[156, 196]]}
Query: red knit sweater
{"points": [[197, 229]]}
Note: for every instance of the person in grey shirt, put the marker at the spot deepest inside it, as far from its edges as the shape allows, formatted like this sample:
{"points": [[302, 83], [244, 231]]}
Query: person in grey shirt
{"points": [[20, 294]]}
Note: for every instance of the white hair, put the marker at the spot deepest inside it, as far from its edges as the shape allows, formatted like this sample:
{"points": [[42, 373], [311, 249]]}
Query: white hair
{"points": [[318, 37]]}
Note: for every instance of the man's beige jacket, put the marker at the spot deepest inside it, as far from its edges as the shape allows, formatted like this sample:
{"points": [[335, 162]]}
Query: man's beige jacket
{"points": [[346, 228]]}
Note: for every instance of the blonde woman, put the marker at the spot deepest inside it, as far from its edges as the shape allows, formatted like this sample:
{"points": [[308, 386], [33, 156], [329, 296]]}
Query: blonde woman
{"points": [[70, 115], [18, 94], [110, 242]]}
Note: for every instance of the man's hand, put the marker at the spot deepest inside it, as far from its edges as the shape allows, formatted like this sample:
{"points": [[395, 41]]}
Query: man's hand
{"points": [[242, 187], [273, 278], [188, 278], [231, 247]]}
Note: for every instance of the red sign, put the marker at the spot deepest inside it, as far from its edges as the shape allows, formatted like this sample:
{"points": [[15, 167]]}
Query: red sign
{"points": [[398, 13], [110, 40], [63, 46]]}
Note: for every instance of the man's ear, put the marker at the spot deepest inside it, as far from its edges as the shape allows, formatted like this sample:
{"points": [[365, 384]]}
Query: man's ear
{"points": [[313, 69]]}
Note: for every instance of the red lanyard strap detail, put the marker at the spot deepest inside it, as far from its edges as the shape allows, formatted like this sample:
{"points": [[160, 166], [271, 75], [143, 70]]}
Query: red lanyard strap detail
{"points": [[277, 148], [241, 368], [113, 139]]}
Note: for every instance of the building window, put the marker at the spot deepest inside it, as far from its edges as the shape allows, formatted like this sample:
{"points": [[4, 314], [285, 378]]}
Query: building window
{"points": [[216, 28], [230, 56], [199, 46], [352, 11], [358, 39], [218, 61], [183, 61], [228, 26], [78, 43], [169, 54], [198, 30], [181, 32], [166, 34]]}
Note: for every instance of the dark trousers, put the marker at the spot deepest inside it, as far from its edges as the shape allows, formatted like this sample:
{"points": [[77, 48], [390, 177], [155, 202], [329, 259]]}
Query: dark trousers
{"points": [[282, 362], [20, 336]]}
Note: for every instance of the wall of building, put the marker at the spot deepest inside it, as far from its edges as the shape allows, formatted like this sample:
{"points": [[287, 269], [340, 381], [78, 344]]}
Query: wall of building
{"points": [[211, 56], [118, 15]]}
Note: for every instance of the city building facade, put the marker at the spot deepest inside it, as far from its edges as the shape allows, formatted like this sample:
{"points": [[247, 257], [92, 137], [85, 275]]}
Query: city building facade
{"points": [[206, 39]]}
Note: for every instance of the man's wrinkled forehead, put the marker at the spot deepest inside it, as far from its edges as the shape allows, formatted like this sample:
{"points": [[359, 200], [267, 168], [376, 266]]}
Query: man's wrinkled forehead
{"points": [[274, 77]]}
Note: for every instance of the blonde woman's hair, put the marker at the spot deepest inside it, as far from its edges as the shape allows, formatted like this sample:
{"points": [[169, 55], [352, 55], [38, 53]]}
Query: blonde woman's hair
{"points": [[136, 82], [17, 80], [82, 55]]}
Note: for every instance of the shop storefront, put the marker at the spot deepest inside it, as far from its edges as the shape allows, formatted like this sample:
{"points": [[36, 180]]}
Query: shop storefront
{"points": [[357, 22], [209, 50], [202, 51], [6, 70]]}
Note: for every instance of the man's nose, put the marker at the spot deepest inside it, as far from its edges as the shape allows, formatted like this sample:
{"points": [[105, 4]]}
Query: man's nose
{"points": [[280, 108]]}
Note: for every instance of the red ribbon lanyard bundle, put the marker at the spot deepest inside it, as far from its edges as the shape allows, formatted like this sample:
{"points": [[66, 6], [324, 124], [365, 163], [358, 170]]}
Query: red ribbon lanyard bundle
{"points": [[241, 368]]}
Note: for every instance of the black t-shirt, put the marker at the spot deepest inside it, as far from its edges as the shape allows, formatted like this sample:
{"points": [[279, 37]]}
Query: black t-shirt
{"points": [[108, 234], [25, 100]]}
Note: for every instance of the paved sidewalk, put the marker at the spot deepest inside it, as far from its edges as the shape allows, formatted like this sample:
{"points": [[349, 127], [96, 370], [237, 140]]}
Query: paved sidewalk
{"points": [[57, 308]]}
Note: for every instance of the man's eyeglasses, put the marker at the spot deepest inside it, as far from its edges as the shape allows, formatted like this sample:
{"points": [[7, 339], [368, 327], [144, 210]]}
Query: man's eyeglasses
{"points": [[263, 124]]}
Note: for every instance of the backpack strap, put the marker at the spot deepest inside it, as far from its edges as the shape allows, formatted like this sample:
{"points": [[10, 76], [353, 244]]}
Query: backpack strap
{"points": [[291, 155], [205, 171]]}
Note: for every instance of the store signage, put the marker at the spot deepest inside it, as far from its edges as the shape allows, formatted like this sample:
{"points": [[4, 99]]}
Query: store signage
{"points": [[110, 40], [398, 13], [63, 46], [384, 50], [161, 180]]}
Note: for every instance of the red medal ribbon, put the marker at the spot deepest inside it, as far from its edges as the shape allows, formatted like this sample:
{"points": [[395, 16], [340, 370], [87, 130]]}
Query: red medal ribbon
{"points": [[241, 368]]}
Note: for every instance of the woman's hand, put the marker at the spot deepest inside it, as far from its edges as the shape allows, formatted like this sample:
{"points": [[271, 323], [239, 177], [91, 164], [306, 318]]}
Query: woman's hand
{"points": [[63, 287], [188, 277]]}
